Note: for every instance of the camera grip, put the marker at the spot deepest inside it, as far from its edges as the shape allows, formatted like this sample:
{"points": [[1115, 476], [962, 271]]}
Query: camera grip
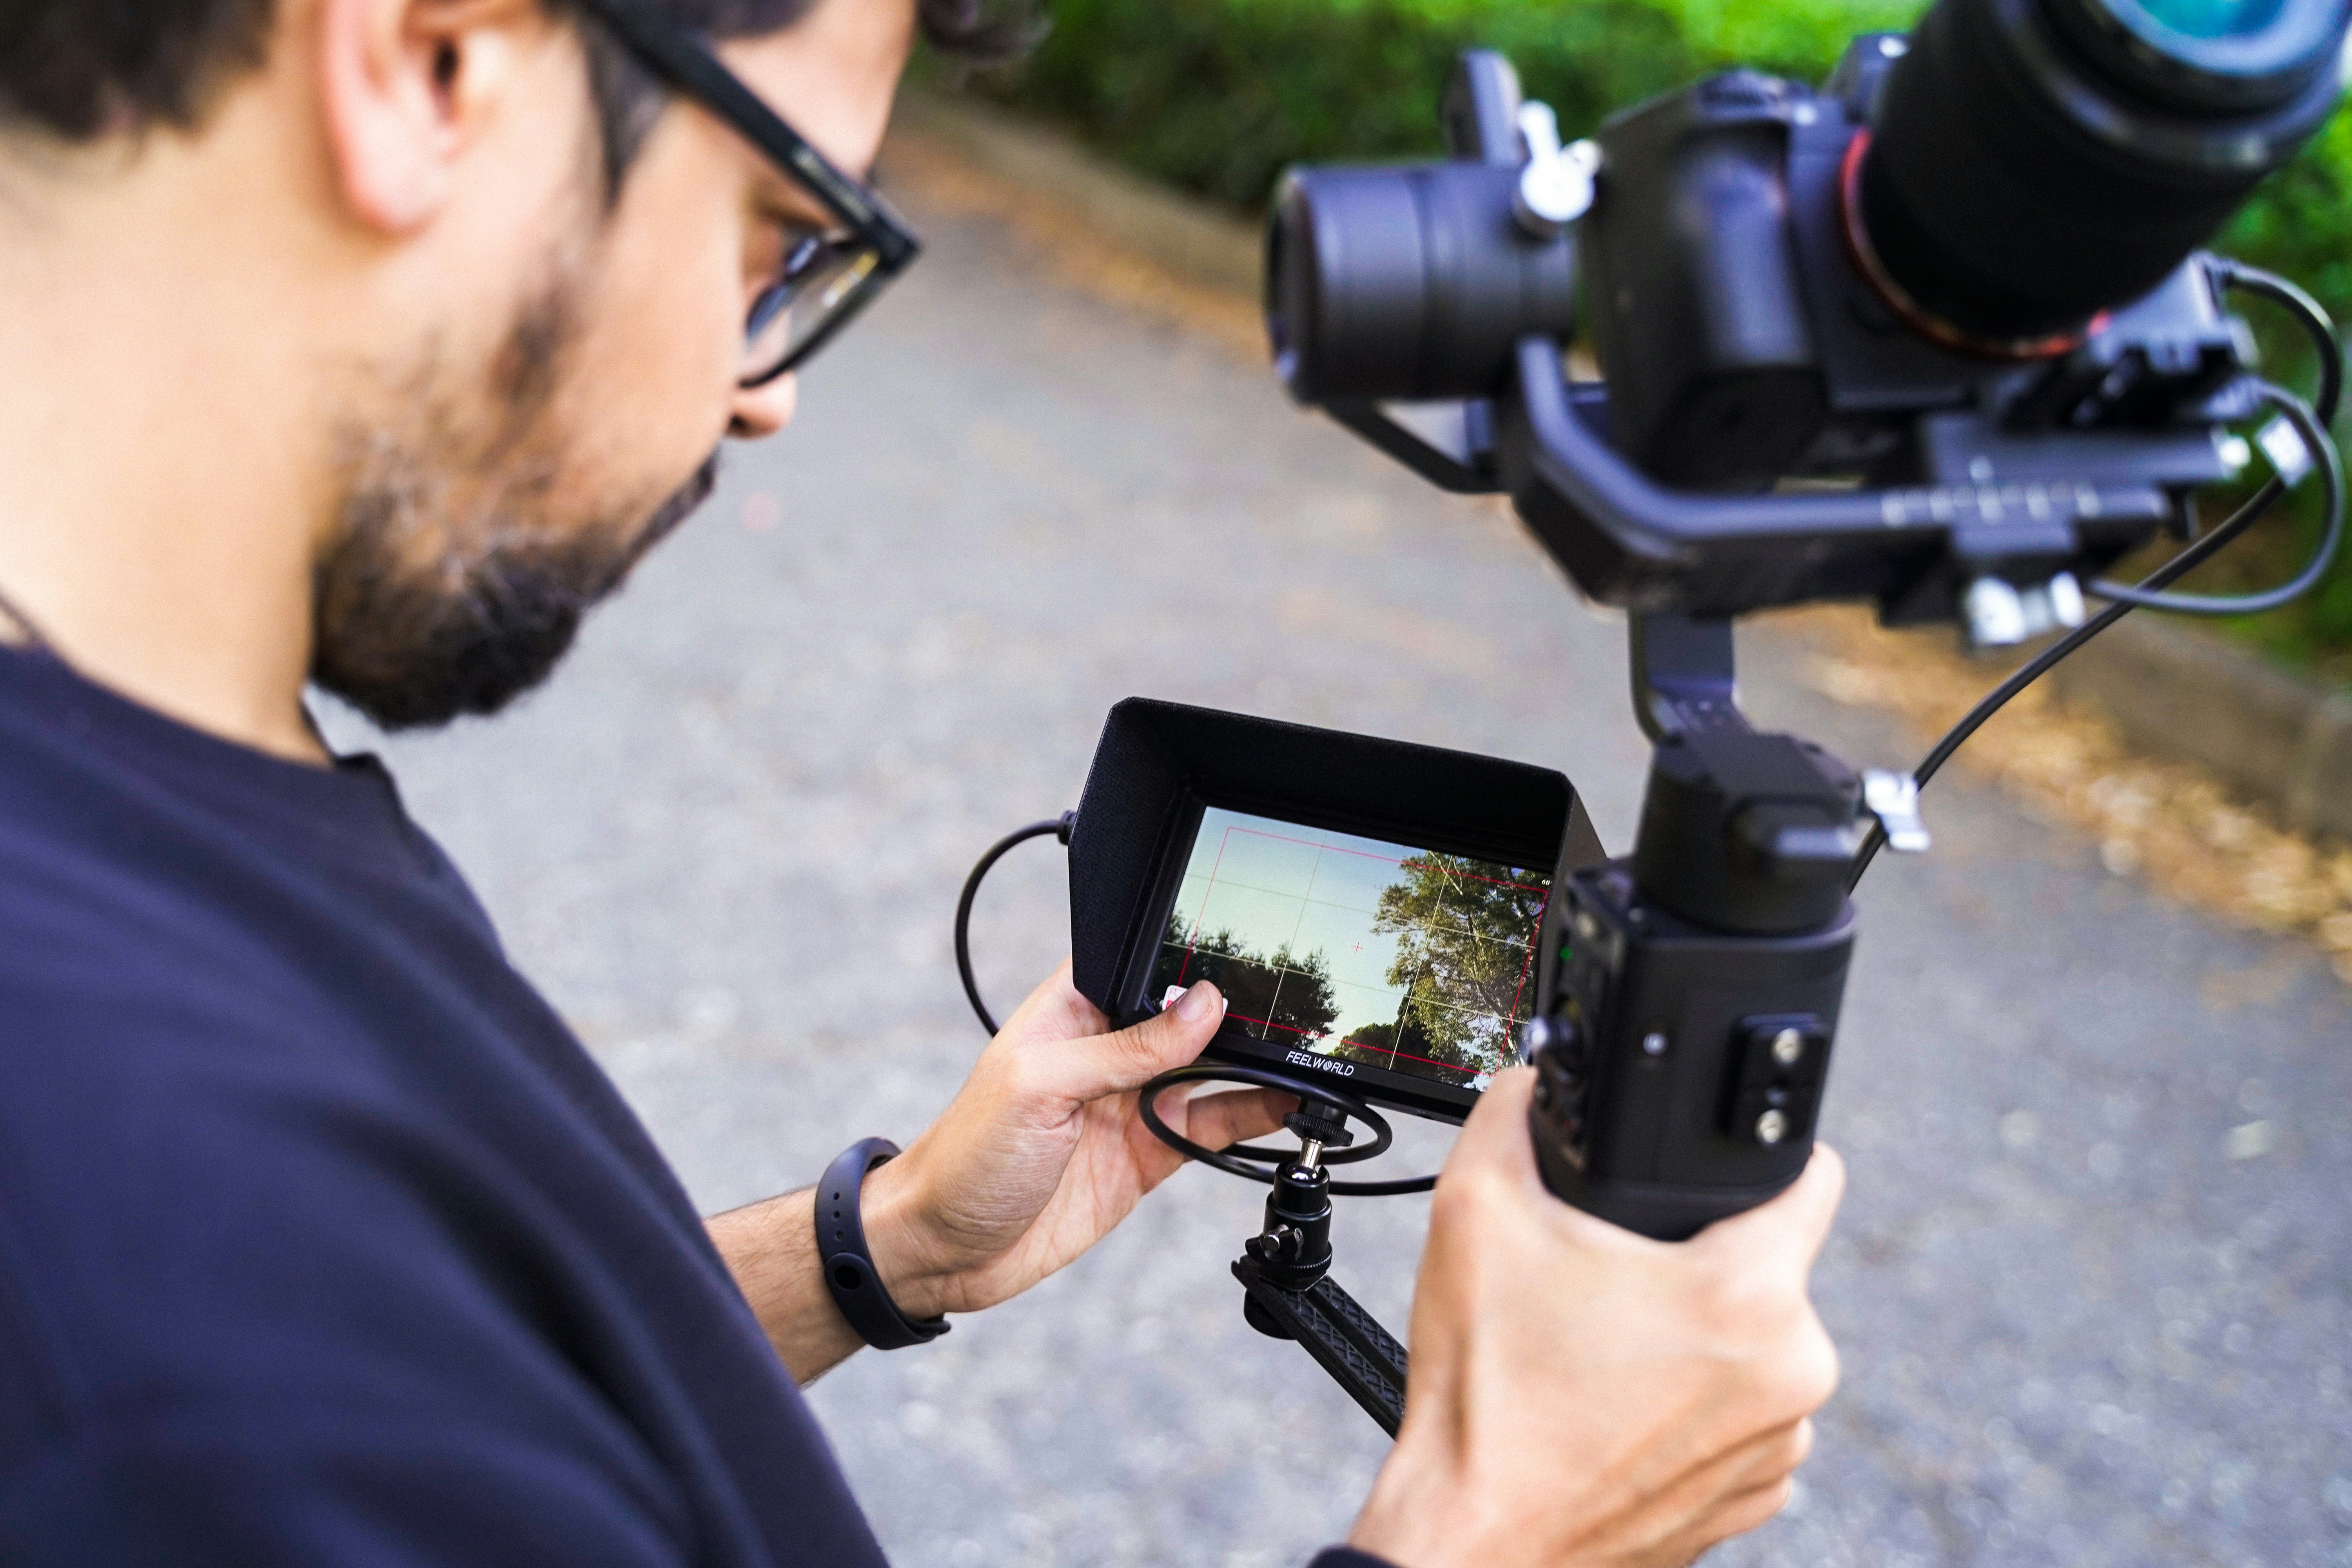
{"points": [[1679, 1069], [1663, 1212]]}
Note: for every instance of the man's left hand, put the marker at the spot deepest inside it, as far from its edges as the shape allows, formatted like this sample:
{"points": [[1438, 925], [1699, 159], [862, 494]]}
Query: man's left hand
{"points": [[1044, 1151], [1040, 1154]]}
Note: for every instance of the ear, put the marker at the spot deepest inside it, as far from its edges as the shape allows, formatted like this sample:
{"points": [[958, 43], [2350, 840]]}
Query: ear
{"points": [[407, 86]]}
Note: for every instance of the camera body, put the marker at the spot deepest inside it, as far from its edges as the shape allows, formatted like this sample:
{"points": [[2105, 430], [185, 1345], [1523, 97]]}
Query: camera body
{"points": [[1743, 346]]}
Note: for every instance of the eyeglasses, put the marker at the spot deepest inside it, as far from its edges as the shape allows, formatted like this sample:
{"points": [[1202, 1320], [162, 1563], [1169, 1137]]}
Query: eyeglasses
{"points": [[825, 278]]}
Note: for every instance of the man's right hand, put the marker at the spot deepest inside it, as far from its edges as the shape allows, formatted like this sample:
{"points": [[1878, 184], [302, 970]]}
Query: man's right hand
{"points": [[1583, 1395]]}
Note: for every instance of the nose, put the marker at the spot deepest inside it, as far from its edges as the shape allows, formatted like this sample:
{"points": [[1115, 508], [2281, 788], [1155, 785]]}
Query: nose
{"points": [[761, 411]]}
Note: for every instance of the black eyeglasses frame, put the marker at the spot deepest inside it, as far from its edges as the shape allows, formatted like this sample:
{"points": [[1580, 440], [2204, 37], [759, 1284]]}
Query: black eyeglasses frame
{"points": [[682, 61]]}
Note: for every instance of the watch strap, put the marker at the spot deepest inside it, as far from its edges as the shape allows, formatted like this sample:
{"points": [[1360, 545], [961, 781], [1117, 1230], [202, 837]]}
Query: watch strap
{"points": [[848, 1265]]}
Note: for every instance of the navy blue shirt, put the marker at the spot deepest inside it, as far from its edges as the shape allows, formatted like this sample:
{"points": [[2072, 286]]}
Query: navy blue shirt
{"points": [[321, 1239]]}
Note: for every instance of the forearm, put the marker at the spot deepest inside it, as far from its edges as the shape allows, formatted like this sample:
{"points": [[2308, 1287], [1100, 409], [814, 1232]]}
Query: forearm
{"points": [[770, 1248], [1039, 1155]]}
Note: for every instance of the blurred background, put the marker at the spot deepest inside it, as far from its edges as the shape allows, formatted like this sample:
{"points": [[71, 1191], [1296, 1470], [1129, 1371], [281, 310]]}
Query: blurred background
{"points": [[2093, 1282]]}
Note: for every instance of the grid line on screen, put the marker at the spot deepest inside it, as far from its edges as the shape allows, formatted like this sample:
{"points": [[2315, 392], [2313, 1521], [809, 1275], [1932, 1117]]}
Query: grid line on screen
{"points": [[1284, 965]]}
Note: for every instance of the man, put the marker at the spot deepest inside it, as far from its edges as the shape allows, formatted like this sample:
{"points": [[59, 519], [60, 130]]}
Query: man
{"points": [[366, 344]]}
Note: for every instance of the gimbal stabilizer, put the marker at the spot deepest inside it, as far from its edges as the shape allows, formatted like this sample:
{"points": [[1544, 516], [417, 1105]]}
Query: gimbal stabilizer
{"points": [[1688, 995], [1936, 335], [1982, 470]]}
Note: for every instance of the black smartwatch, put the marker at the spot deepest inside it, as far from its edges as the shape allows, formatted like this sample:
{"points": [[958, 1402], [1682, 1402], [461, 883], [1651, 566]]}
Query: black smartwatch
{"points": [[849, 1270]]}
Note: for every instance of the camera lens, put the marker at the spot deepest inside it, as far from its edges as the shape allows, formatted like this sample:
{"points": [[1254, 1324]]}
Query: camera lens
{"points": [[2036, 162], [1411, 282], [2207, 56]]}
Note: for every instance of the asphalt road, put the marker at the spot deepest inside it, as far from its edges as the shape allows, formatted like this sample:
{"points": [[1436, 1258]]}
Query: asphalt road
{"points": [[2094, 1281]]}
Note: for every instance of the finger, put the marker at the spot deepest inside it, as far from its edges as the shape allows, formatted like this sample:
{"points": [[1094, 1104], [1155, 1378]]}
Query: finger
{"points": [[1055, 1011], [1793, 1225], [1086, 1069], [1220, 1121], [1732, 1481], [1495, 1139], [1738, 1514], [1773, 1455], [1499, 1145]]}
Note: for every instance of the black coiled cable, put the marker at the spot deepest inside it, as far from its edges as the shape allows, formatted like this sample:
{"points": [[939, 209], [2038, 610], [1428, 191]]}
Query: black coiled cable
{"points": [[2311, 423], [1060, 829]]}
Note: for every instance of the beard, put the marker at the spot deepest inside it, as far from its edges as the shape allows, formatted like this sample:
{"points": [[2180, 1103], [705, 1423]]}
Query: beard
{"points": [[459, 573]]}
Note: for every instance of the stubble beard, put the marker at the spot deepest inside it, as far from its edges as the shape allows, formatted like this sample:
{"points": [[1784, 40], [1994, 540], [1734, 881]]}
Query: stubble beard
{"points": [[459, 569]]}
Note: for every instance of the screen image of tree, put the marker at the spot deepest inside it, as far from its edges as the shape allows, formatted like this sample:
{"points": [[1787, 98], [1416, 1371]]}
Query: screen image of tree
{"points": [[1406, 959]]}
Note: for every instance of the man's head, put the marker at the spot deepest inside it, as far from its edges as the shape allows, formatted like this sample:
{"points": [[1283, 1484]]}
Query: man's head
{"points": [[516, 274]]}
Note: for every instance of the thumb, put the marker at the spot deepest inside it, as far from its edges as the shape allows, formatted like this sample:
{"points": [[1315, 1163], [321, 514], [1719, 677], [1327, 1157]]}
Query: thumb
{"points": [[1494, 1138], [1793, 1225], [1117, 1063]]}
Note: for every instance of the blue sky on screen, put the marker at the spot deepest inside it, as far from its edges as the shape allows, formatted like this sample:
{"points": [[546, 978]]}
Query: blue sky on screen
{"points": [[1274, 885]]}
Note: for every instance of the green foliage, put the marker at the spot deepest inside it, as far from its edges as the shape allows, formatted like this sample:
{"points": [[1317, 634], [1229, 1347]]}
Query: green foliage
{"points": [[1460, 931], [1218, 96]]}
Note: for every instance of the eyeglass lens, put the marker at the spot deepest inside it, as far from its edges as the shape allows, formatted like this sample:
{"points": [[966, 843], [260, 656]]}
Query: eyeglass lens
{"points": [[821, 277]]}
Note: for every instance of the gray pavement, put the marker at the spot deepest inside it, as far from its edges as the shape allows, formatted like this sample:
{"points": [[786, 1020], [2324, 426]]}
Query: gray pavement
{"points": [[728, 842]]}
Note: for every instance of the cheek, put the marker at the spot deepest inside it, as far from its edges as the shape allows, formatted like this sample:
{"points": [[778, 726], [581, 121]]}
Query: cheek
{"points": [[663, 340], [659, 351], [674, 318]]}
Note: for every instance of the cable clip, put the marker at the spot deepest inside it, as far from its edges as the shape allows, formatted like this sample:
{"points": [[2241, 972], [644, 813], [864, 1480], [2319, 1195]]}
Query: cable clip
{"points": [[1555, 188], [1894, 799], [2283, 444], [1998, 613]]}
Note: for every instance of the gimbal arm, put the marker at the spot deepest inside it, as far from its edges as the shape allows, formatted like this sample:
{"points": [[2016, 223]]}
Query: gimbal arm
{"points": [[1627, 539]]}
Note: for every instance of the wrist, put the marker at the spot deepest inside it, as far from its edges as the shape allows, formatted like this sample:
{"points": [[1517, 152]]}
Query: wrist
{"points": [[894, 1209]]}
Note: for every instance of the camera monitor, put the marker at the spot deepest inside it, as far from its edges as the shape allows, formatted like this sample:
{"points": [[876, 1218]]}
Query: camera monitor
{"points": [[1370, 909]]}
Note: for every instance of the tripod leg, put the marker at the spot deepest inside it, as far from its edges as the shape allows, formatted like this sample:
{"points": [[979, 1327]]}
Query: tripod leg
{"points": [[1347, 1342]]}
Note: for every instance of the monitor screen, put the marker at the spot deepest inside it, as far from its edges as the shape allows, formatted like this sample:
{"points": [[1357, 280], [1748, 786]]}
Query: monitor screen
{"points": [[1396, 957]]}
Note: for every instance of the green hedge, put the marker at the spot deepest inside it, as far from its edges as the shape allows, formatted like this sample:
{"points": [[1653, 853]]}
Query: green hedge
{"points": [[1217, 96]]}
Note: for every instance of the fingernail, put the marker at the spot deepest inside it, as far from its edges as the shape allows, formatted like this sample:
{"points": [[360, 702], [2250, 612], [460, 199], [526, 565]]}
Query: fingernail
{"points": [[1194, 1008]]}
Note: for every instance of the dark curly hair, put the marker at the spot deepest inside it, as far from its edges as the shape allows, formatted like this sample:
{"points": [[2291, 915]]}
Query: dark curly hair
{"points": [[80, 70]]}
